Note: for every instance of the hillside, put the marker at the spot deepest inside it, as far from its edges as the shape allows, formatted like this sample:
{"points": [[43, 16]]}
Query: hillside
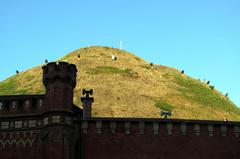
{"points": [[130, 87]]}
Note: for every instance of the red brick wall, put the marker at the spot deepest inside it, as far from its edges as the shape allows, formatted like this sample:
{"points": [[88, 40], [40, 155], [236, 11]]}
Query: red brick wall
{"points": [[56, 145], [20, 152], [107, 145]]}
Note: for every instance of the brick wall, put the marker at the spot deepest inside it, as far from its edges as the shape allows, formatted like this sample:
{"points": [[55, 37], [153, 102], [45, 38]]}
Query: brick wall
{"points": [[159, 139], [45, 135]]}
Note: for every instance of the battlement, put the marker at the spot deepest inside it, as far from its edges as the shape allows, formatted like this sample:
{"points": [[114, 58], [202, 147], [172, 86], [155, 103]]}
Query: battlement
{"points": [[162, 127], [59, 80], [159, 138], [21, 104], [62, 70]]}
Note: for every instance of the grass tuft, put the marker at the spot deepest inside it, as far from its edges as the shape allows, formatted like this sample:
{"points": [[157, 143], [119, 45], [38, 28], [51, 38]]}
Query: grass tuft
{"points": [[113, 70], [163, 105]]}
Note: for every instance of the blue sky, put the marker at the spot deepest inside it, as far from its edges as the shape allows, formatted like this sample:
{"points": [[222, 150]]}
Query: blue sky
{"points": [[201, 37]]}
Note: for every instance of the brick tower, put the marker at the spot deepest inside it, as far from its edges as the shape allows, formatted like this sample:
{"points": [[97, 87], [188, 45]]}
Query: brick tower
{"points": [[59, 80], [58, 136]]}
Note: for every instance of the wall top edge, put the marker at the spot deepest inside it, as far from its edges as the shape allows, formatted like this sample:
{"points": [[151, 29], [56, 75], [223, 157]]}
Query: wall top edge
{"points": [[11, 97], [108, 119], [35, 115]]}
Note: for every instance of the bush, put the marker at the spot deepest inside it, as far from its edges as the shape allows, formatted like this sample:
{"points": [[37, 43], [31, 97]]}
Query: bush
{"points": [[163, 105], [212, 87]]}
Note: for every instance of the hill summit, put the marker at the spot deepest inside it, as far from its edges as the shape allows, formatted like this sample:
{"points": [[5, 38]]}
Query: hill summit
{"points": [[127, 86]]}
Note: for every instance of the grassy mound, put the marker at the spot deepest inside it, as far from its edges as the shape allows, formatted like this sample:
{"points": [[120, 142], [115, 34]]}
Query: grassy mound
{"points": [[131, 87]]}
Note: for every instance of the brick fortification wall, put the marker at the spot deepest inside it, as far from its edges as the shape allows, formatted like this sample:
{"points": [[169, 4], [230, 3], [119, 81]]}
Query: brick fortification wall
{"points": [[159, 139], [42, 126]]}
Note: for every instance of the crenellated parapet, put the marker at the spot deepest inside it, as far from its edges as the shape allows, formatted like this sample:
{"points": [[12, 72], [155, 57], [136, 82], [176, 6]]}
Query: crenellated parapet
{"points": [[59, 80], [170, 127], [21, 104], [62, 71], [159, 138]]}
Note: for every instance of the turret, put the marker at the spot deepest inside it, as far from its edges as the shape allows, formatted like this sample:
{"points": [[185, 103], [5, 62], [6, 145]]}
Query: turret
{"points": [[87, 103], [59, 81]]}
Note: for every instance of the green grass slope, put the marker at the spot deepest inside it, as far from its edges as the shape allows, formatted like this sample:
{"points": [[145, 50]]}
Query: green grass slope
{"points": [[130, 87]]}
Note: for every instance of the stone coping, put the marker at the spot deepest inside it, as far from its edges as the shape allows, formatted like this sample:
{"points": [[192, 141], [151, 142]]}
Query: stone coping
{"points": [[189, 121]]}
